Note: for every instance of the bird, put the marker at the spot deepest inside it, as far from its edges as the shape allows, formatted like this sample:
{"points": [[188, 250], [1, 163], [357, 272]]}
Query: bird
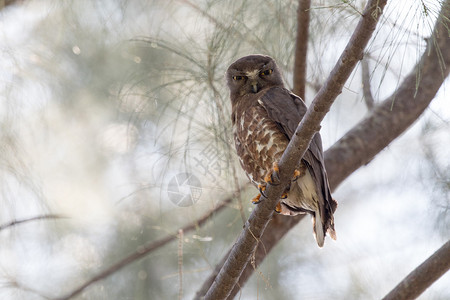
{"points": [[264, 117]]}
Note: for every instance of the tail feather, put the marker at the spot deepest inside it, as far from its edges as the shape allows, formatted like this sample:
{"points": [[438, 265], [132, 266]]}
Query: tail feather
{"points": [[331, 232], [319, 233]]}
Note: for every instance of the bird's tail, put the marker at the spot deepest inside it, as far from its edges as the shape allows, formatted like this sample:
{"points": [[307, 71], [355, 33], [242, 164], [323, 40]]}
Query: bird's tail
{"points": [[319, 233], [319, 228]]}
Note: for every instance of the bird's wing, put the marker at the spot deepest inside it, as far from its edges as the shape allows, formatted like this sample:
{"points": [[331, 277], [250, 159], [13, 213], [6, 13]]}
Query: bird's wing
{"points": [[284, 108], [287, 110]]}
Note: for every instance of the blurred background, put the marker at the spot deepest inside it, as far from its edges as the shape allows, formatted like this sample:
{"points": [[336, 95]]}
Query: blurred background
{"points": [[115, 128]]}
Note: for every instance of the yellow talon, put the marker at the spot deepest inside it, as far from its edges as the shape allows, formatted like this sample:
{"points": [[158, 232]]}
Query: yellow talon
{"points": [[278, 207], [268, 177], [261, 187], [272, 176], [257, 199]]}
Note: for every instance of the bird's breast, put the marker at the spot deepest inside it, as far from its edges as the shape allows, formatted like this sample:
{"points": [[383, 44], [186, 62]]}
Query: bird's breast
{"points": [[259, 142]]}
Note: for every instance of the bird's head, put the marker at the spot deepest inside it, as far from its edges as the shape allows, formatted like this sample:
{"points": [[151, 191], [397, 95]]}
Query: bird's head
{"points": [[252, 74]]}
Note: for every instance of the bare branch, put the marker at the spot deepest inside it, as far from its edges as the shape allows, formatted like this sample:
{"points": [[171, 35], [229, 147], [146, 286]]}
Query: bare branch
{"points": [[385, 123], [180, 263], [423, 276], [249, 238], [365, 78], [277, 228], [43, 217], [209, 281], [301, 47], [146, 249]]}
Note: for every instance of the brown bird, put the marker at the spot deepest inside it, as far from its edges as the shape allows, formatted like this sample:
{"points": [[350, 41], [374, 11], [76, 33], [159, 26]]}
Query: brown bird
{"points": [[265, 115]]}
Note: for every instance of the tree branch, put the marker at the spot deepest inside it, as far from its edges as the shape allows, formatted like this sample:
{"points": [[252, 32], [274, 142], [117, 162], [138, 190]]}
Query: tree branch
{"points": [[146, 249], [301, 47], [254, 228], [384, 123], [365, 78], [395, 114], [43, 217], [423, 276], [268, 241]]}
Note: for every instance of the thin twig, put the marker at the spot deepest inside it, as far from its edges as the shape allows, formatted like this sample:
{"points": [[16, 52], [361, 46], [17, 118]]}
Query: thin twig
{"points": [[251, 39], [146, 249], [423, 276], [180, 263], [254, 228], [301, 47], [365, 78], [42, 217]]}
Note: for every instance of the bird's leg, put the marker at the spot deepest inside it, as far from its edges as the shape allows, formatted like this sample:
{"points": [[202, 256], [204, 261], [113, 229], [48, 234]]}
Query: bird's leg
{"points": [[272, 176]]}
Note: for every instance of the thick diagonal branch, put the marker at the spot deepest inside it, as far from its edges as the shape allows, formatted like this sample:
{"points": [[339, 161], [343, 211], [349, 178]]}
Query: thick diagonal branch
{"points": [[394, 115], [301, 47], [423, 276], [249, 238], [385, 122]]}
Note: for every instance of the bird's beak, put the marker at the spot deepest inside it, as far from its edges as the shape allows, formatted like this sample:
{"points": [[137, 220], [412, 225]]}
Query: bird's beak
{"points": [[255, 87]]}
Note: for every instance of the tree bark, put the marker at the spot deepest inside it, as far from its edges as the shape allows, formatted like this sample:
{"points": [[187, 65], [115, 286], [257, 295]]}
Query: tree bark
{"points": [[249, 238], [423, 276]]}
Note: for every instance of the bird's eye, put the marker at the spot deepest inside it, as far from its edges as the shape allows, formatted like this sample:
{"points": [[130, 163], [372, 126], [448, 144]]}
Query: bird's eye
{"points": [[238, 77], [266, 72]]}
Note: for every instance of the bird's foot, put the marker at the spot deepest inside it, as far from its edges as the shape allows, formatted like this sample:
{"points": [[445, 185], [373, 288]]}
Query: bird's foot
{"points": [[299, 172], [262, 188], [272, 177], [297, 175], [278, 208], [257, 199]]}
